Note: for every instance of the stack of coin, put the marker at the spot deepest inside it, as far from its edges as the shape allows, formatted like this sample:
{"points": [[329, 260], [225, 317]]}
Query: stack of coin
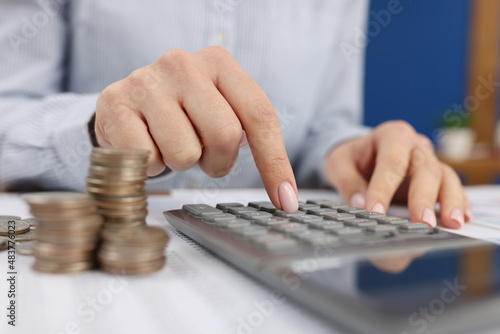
{"points": [[116, 180], [67, 233], [134, 251]]}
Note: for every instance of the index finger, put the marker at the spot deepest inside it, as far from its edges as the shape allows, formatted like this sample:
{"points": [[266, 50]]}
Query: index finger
{"points": [[263, 129]]}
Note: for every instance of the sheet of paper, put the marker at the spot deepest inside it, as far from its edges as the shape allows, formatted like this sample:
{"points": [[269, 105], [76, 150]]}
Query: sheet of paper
{"points": [[195, 293]]}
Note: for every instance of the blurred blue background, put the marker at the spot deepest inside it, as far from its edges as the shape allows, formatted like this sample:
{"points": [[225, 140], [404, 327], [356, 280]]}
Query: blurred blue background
{"points": [[416, 66]]}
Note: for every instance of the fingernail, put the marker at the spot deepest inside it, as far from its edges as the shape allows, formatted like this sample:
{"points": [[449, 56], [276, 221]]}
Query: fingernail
{"points": [[357, 200], [244, 139], [457, 218], [429, 217], [468, 214], [288, 198], [378, 208]]}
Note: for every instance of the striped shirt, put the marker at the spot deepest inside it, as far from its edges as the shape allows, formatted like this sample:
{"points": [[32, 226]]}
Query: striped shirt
{"points": [[57, 55]]}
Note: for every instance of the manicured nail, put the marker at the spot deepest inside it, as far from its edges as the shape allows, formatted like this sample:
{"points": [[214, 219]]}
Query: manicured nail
{"points": [[457, 218], [357, 200], [429, 217], [468, 214], [378, 208], [244, 139], [288, 198]]}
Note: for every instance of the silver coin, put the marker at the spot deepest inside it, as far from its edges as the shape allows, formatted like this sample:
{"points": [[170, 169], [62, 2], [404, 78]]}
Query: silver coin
{"points": [[32, 221], [18, 227], [3, 217], [27, 236], [25, 248]]}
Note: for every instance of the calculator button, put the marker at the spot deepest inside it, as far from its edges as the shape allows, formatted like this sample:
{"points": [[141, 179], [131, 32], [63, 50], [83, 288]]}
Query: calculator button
{"points": [[339, 216], [268, 208], [308, 206], [219, 217], [269, 221], [239, 210], [382, 229], [326, 225], [225, 206], [347, 231], [328, 240], [282, 213], [351, 210], [334, 205], [327, 204], [255, 214], [233, 222], [391, 220], [246, 231], [258, 205], [307, 234], [414, 227], [305, 219], [200, 210], [369, 214], [360, 222], [289, 227], [321, 212]]}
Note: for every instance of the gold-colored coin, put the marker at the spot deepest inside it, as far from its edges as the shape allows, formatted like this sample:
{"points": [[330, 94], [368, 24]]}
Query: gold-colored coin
{"points": [[120, 152], [146, 235], [128, 270], [62, 199], [54, 249], [57, 268]]}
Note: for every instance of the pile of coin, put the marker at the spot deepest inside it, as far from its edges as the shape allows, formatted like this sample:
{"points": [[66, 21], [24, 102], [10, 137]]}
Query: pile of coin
{"points": [[134, 251], [67, 233], [116, 180]]}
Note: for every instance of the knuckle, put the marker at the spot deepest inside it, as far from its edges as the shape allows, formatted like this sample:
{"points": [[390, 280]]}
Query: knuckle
{"points": [[110, 98], [265, 114], [219, 53], [228, 136], [402, 127], [184, 157], [175, 59]]}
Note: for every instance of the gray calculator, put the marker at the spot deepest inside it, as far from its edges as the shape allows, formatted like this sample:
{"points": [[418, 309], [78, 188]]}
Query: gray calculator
{"points": [[364, 271]]}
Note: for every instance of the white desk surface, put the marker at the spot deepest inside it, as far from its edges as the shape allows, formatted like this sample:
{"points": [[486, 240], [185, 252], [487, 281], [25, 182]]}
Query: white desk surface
{"points": [[195, 292]]}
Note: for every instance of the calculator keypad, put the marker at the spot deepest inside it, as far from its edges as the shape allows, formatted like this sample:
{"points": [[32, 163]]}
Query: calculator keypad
{"points": [[316, 223]]}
